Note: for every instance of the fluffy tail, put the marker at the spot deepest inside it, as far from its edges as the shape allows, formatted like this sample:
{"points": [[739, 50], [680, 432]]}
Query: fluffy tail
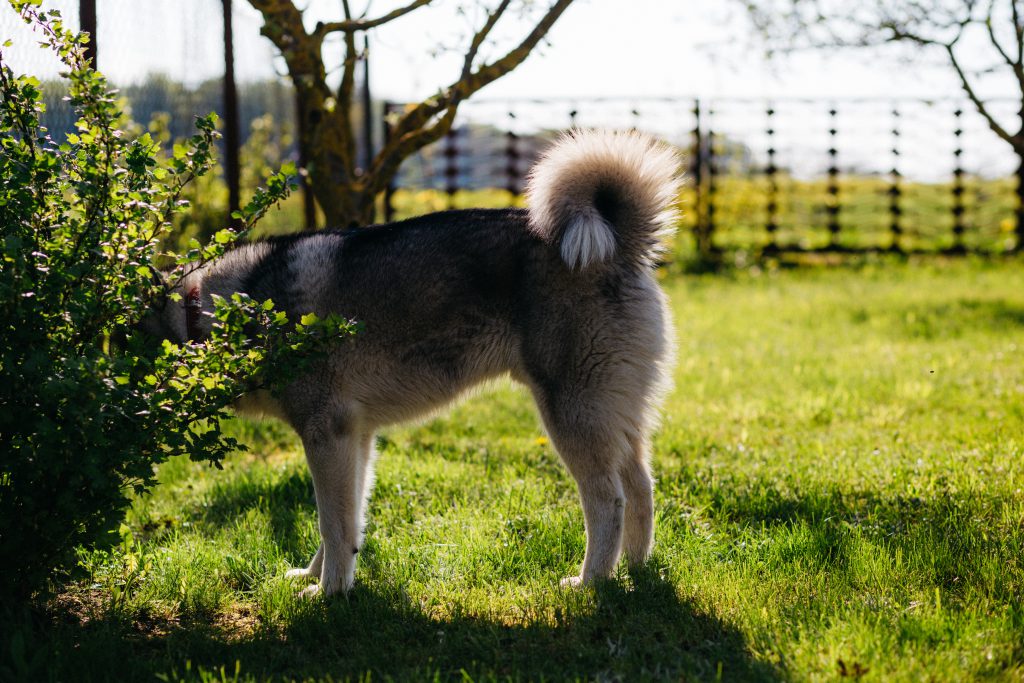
{"points": [[604, 196]]}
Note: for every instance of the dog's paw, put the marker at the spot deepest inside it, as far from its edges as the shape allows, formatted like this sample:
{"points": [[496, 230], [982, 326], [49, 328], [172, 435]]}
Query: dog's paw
{"points": [[310, 592], [571, 582], [298, 573], [325, 589]]}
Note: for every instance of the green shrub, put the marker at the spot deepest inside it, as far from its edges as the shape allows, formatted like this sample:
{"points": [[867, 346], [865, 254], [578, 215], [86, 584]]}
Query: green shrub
{"points": [[83, 419]]}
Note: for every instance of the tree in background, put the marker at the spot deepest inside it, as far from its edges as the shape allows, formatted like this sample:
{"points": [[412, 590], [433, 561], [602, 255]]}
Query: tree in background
{"points": [[981, 40], [327, 138]]}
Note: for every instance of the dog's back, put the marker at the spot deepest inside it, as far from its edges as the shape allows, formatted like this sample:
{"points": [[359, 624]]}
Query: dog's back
{"points": [[452, 298]]}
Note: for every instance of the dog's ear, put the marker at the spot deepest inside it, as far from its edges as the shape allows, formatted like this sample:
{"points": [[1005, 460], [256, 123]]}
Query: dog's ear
{"points": [[161, 279], [118, 339], [163, 283], [153, 327]]}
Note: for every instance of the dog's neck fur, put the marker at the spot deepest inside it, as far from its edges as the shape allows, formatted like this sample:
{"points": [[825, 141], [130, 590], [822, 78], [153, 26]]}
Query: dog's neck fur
{"points": [[220, 278]]}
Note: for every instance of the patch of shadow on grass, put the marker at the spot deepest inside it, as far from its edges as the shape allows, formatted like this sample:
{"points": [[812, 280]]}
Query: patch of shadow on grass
{"points": [[286, 498], [645, 632], [641, 631], [952, 539]]}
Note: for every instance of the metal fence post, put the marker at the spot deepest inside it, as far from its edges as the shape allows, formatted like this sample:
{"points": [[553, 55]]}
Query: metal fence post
{"points": [[832, 206], [232, 137], [451, 165], [1019, 216], [87, 23], [512, 157], [368, 121], [958, 246], [772, 224], [700, 233], [389, 191], [712, 173], [895, 189]]}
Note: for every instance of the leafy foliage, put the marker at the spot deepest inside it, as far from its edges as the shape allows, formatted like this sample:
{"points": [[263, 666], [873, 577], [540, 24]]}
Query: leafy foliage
{"points": [[84, 419]]}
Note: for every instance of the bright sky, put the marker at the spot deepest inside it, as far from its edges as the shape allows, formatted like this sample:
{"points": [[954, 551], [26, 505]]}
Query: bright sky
{"points": [[634, 47], [598, 48]]}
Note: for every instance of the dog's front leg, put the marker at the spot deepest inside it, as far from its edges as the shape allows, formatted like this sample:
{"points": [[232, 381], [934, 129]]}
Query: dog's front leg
{"points": [[339, 461], [314, 568]]}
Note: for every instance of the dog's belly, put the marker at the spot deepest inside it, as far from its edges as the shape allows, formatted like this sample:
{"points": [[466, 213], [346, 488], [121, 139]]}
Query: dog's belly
{"points": [[398, 382], [259, 403]]}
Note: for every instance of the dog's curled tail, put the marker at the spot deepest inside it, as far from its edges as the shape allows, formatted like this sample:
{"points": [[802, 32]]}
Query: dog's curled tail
{"points": [[604, 196]]}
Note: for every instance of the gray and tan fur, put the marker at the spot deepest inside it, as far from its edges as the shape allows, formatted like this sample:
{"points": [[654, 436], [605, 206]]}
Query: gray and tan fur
{"points": [[561, 297]]}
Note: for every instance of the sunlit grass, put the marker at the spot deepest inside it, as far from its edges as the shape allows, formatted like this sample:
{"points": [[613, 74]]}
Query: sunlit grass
{"points": [[840, 479]]}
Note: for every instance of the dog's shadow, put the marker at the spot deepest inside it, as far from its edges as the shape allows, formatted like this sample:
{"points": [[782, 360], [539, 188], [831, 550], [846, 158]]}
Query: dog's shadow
{"points": [[635, 629], [638, 629], [643, 632]]}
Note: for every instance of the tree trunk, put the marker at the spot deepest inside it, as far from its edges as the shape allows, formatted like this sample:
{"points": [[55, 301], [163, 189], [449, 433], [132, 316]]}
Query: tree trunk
{"points": [[327, 145], [1019, 245], [327, 139], [1017, 142], [1018, 147]]}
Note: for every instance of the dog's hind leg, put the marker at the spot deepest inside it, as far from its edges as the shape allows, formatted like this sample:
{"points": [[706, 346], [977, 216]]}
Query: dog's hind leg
{"points": [[339, 460], [603, 503], [638, 530], [593, 457]]}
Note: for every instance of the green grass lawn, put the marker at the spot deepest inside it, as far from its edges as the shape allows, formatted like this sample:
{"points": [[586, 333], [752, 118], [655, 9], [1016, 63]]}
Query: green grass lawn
{"points": [[839, 494]]}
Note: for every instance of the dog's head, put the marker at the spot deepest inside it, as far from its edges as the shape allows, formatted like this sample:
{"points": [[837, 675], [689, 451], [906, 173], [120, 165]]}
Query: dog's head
{"points": [[167, 317]]}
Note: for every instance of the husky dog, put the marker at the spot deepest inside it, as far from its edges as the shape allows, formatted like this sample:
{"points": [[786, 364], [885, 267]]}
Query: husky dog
{"points": [[560, 296]]}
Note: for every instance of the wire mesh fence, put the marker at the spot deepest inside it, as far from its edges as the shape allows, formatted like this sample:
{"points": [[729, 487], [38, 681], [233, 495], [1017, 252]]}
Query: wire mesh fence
{"points": [[764, 176], [905, 175]]}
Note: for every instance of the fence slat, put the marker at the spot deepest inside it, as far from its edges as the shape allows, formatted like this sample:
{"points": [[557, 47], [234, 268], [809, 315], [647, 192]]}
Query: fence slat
{"points": [[832, 207], [895, 188], [232, 136], [771, 170]]}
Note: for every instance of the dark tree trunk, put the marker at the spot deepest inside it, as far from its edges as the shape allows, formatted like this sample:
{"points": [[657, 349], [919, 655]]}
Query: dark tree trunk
{"points": [[1018, 147], [1019, 227], [326, 145], [327, 138], [232, 134], [87, 17]]}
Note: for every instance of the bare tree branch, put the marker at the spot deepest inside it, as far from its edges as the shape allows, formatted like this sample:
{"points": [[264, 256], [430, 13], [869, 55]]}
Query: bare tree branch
{"points": [[327, 138], [282, 24], [979, 104], [997, 45], [900, 33], [408, 135], [351, 25], [1018, 30], [480, 37]]}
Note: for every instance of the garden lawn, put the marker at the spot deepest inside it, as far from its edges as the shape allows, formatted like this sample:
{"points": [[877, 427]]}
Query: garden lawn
{"points": [[839, 494]]}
